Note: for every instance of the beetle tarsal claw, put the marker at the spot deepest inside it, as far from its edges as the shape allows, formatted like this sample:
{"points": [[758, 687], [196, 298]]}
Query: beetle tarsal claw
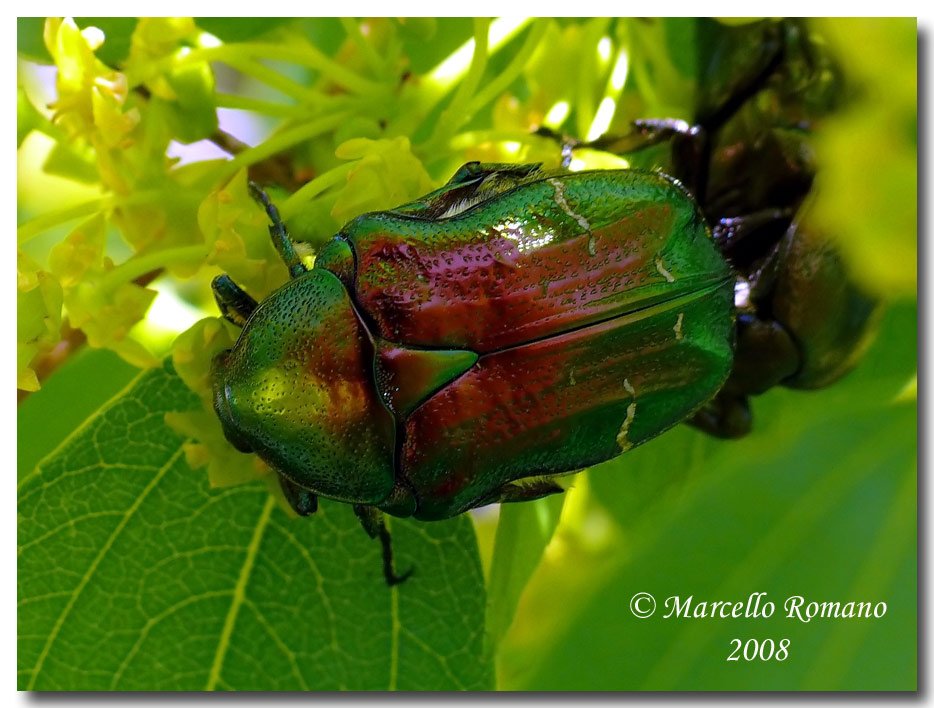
{"points": [[389, 572], [374, 524]]}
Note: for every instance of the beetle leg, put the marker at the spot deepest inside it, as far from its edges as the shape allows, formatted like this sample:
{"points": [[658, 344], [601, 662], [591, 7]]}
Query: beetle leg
{"points": [[690, 144], [375, 525], [714, 119], [765, 355], [726, 415], [280, 236], [644, 134], [567, 143], [300, 499], [235, 304], [743, 238], [519, 492], [689, 147]]}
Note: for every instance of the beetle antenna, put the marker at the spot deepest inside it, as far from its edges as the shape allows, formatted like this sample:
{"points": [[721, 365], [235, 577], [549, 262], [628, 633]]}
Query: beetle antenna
{"points": [[280, 236]]}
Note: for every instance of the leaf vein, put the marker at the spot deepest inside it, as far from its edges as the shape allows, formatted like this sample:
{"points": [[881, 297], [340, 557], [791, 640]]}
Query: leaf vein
{"points": [[153, 621], [283, 647], [95, 563], [239, 594]]}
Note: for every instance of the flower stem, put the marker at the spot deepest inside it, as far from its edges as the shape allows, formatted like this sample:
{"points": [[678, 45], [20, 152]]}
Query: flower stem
{"points": [[352, 28], [280, 142], [32, 228], [140, 265], [267, 108], [315, 187], [452, 117], [303, 55], [510, 73], [29, 229], [283, 84], [309, 56]]}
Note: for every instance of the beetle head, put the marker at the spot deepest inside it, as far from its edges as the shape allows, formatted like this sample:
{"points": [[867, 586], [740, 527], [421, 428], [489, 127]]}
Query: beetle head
{"points": [[297, 389]]}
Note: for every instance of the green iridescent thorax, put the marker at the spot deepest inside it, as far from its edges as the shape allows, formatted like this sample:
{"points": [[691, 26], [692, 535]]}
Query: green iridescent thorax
{"points": [[297, 388]]}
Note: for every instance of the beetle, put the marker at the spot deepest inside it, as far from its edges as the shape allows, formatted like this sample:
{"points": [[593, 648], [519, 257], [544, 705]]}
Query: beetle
{"points": [[517, 324]]}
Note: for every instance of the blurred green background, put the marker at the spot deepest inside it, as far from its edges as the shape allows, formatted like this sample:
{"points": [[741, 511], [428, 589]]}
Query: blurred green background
{"points": [[819, 501]]}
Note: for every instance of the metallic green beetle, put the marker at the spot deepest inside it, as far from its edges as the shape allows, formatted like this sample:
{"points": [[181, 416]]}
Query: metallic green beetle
{"points": [[512, 326], [460, 350], [518, 324]]}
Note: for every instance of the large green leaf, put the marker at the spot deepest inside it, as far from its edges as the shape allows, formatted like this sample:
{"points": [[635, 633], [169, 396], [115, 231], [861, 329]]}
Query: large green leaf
{"points": [[135, 575], [83, 384], [522, 534]]}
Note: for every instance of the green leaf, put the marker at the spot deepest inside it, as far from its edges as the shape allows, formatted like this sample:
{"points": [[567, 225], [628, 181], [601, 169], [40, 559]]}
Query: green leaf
{"points": [[683, 456], [81, 386], [522, 533], [819, 501], [29, 42], [239, 29], [134, 574]]}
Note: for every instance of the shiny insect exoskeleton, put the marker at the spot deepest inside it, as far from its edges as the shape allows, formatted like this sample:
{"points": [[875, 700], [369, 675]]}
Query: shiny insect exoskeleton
{"points": [[517, 324], [747, 161]]}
